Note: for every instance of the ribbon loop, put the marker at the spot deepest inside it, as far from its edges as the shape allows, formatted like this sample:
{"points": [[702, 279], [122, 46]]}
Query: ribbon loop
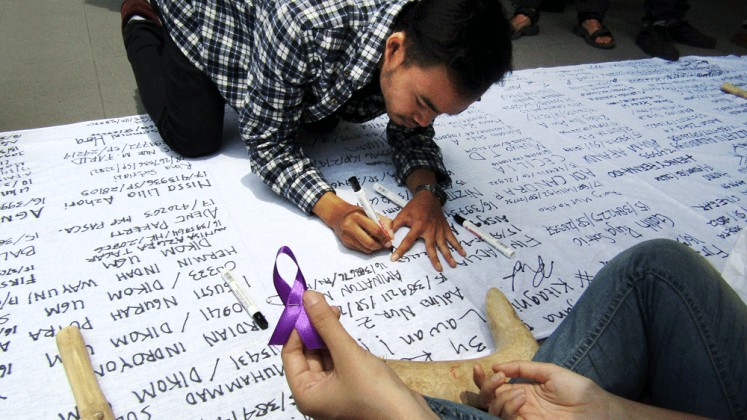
{"points": [[294, 315]]}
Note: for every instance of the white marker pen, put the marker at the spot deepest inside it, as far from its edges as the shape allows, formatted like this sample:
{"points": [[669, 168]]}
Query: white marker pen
{"points": [[244, 299], [391, 196], [503, 249], [363, 202]]}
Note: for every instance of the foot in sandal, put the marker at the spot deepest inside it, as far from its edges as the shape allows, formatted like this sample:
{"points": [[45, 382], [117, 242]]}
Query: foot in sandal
{"points": [[595, 34]]}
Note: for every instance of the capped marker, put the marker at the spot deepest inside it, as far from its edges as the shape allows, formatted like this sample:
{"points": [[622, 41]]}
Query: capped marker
{"points": [[244, 299], [390, 195], [507, 251]]}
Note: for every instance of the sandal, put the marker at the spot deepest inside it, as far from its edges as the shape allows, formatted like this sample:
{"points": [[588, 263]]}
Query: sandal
{"points": [[591, 38], [530, 30]]}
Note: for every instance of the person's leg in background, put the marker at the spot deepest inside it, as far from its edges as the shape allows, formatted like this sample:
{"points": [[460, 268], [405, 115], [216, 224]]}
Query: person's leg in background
{"points": [[663, 24], [183, 102], [590, 17], [525, 18], [658, 324]]}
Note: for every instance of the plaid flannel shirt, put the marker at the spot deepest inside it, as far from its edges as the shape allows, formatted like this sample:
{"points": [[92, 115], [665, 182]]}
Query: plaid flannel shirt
{"points": [[283, 63]]}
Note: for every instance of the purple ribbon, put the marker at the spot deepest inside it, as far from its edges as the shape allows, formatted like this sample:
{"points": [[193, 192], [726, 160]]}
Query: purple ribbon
{"points": [[294, 315]]}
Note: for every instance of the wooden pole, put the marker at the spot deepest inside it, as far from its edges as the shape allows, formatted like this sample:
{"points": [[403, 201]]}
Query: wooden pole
{"points": [[92, 404]]}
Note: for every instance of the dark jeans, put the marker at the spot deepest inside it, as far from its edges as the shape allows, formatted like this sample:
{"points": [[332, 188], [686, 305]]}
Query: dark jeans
{"points": [[587, 9], [182, 101], [664, 10], [657, 324]]}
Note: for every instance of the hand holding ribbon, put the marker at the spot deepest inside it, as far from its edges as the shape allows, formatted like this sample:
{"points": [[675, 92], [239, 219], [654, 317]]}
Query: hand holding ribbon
{"points": [[294, 315]]}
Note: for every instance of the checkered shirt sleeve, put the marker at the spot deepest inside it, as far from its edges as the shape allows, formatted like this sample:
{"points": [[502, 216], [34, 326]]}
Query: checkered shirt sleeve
{"points": [[280, 63], [415, 149]]}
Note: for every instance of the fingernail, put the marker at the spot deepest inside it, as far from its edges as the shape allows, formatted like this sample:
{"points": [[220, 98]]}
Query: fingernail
{"points": [[394, 257], [311, 298], [388, 244], [498, 377]]}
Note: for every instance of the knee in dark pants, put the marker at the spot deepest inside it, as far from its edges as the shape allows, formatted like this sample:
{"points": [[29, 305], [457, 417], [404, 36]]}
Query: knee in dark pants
{"points": [[202, 140], [193, 130]]}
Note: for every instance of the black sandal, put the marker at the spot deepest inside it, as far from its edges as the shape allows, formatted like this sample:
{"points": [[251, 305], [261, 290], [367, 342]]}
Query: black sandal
{"points": [[591, 38], [530, 30]]}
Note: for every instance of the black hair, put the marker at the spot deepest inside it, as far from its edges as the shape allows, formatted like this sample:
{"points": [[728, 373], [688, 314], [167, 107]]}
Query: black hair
{"points": [[471, 37]]}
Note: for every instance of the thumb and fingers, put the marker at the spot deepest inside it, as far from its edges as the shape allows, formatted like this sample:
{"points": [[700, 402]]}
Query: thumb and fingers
{"points": [[309, 372], [383, 234], [361, 233], [326, 322], [508, 403], [487, 385], [432, 227], [296, 359], [536, 371]]}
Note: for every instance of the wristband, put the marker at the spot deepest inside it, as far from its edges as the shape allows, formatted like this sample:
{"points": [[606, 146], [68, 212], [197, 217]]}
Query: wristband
{"points": [[435, 190]]}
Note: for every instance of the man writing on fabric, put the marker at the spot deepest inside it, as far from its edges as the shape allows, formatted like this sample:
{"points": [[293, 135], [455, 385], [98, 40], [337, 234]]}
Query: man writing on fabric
{"points": [[285, 64]]}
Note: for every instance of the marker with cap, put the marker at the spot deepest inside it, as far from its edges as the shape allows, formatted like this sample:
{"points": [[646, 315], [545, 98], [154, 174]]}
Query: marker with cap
{"points": [[244, 299], [503, 249], [390, 195], [363, 202]]}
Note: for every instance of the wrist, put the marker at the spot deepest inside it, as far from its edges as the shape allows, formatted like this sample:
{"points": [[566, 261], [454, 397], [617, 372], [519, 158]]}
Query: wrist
{"points": [[327, 207], [408, 404], [433, 189]]}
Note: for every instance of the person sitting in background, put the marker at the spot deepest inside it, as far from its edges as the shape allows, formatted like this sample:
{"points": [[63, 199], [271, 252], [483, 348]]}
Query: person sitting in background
{"points": [[740, 38], [664, 24], [590, 16], [657, 324]]}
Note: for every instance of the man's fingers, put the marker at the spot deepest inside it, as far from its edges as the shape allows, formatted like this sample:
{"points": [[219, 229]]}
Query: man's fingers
{"points": [[387, 222], [443, 247], [401, 219], [358, 239], [404, 246], [360, 233], [430, 249], [455, 243], [370, 235]]}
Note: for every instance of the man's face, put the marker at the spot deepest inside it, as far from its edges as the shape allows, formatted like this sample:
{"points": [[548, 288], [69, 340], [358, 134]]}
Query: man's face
{"points": [[414, 95]]}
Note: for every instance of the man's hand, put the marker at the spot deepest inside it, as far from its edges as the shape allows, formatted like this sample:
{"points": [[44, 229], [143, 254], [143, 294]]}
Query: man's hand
{"points": [[426, 219], [344, 380], [351, 225]]}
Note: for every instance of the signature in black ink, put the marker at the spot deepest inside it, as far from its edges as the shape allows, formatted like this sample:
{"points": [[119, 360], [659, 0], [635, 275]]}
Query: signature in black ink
{"points": [[539, 274]]}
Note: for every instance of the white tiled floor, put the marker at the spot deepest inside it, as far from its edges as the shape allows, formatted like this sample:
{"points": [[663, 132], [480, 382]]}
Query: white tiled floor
{"points": [[62, 61]]}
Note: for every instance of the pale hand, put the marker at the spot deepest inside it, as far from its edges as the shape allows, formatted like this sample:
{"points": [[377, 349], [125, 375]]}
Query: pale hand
{"points": [[555, 393], [344, 380]]}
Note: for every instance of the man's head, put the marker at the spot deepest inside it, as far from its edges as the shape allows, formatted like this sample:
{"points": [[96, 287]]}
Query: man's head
{"points": [[446, 53]]}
